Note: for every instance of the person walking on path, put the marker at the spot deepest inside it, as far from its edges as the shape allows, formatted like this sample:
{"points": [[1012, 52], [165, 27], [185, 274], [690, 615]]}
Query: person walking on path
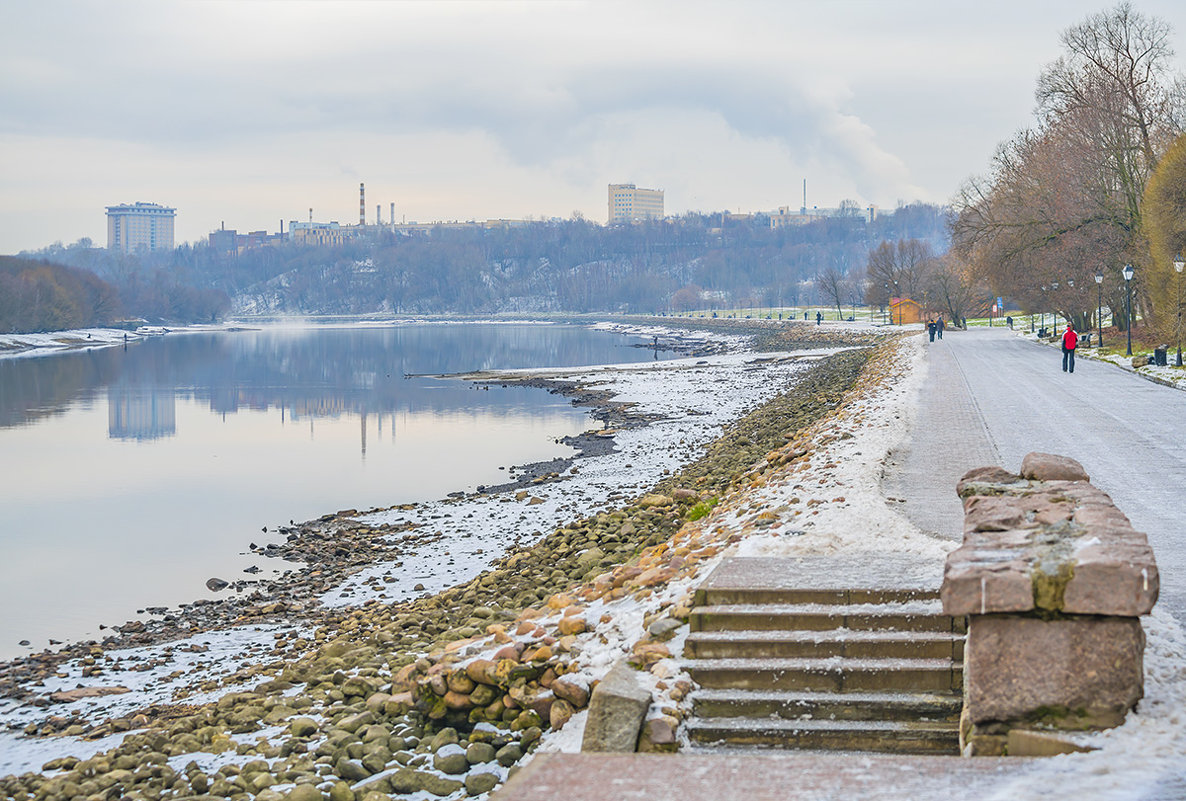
{"points": [[1069, 340], [931, 329], [939, 327]]}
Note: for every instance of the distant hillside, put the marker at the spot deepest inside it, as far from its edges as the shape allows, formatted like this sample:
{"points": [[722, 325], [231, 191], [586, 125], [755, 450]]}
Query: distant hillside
{"points": [[693, 261], [41, 296], [573, 265]]}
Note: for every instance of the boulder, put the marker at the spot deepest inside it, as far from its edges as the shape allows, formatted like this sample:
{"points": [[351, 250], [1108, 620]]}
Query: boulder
{"points": [[1051, 467], [616, 711], [478, 783]]}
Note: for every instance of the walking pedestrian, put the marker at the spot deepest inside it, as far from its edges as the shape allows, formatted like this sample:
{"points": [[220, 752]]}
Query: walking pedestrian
{"points": [[931, 329], [1069, 340], [818, 317], [939, 327]]}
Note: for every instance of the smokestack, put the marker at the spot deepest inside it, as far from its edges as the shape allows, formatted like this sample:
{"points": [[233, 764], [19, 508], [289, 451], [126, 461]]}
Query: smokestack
{"points": [[804, 196], [378, 214], [310, 215], [362, 204], [393, 214]]}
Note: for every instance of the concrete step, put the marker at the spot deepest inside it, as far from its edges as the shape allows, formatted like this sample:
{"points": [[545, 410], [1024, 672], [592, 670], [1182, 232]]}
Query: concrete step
{"points": [[868, 644], [903, 616], [799, 705], [881, 736], [740, 594], [837, 674]]}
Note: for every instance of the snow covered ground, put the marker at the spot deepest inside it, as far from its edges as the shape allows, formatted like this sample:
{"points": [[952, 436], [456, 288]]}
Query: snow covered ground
{"points": [[692, 397], [1167, 374], [830, 503]]}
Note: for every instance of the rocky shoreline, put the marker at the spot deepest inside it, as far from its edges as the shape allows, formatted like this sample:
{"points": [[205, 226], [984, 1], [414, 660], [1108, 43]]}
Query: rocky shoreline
{"points": [[381, 698]]}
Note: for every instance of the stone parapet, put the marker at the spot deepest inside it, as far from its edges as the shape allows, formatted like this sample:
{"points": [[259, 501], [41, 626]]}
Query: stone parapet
{"points": [[1053, 579]]}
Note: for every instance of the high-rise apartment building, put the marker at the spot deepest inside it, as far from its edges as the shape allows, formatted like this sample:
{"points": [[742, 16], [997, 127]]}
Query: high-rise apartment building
{"points": [[139, 225], [628, 203]]}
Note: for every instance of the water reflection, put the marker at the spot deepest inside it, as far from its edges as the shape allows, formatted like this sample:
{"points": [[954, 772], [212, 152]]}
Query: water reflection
{"points": [[127, 478], [141, 414], [303, 372]]}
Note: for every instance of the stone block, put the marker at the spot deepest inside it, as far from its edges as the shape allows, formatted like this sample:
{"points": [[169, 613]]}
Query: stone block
{"points": [[616, 711], [975, 588], [983, 475], [1027, 742], [1051, 467], [1119, 578], [1068, 673]]}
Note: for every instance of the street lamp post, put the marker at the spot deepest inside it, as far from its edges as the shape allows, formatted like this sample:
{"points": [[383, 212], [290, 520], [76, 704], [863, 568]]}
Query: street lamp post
{"points": [[1099, 308], [1128, 274], [1042, 325], [1054, 312], [1178, 266]]}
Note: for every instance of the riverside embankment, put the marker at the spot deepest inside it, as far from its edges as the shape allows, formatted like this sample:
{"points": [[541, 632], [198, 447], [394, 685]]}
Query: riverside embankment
{"points": [[437, 693]]}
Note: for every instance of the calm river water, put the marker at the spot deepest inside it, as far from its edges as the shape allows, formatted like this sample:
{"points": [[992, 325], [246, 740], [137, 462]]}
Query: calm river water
{"points": [[129, 477]]}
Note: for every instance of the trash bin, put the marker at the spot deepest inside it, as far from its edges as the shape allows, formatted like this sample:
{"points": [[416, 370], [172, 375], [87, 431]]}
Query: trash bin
{"points": [[1159, 355]]}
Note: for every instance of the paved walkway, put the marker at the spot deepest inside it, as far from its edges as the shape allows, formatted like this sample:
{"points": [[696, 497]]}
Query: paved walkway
{"points": [[949, 439], [991, 397]]}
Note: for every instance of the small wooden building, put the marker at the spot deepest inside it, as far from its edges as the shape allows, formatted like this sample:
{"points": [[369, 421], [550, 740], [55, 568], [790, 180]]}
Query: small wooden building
{"points": [[905, 310]]}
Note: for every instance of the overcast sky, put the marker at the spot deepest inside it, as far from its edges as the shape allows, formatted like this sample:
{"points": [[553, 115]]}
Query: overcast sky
{"points": [[252, 112]]}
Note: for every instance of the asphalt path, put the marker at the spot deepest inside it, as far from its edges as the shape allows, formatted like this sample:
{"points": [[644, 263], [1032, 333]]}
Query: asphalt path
{"points": [[991, 397]]}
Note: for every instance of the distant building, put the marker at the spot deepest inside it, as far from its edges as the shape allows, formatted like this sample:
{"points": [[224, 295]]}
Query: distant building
{"points": [[231, 242], [315, 233], [628, 203], [905, 310], [140, 225]]}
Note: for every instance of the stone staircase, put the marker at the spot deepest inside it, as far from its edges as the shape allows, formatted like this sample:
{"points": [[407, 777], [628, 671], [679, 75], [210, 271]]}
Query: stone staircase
{"points": [[783, 660]]}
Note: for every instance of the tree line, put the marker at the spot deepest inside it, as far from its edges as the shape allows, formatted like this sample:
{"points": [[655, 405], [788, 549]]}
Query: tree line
{"points": [[40, 296], [1097, 182], [692, 261]]}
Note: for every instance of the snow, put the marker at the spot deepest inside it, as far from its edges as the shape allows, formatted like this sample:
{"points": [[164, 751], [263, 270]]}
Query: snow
{"points": [[833, 506], [14, 345], [693, 398]]}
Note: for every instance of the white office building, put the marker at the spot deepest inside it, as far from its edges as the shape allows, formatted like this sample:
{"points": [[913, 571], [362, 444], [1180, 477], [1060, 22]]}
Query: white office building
{"points": [[131, 227], [628, 203]]}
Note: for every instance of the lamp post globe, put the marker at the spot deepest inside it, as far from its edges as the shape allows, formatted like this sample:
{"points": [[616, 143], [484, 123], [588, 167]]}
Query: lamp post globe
{"points": [[1178, 267], [1099, 308], [1128, 273]]}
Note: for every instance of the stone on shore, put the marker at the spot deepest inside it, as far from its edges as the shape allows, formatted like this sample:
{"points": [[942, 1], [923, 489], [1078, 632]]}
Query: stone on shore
{"points": [[616, 711]]}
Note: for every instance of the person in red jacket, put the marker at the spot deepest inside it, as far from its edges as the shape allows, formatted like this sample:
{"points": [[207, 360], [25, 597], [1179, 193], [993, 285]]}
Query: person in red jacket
{"points": [[1069, 340]]}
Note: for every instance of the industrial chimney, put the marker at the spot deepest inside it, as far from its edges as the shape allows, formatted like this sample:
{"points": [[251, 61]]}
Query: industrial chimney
{"points": [[362, 204], [393, 214]]}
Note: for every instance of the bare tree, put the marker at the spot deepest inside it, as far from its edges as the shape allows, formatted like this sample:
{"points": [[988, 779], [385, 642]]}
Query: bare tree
{"points": [[953, 285], [1062, 202], [900, 268], [831, 285]]}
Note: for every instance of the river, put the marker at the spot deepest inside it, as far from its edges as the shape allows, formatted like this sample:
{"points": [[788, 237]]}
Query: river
{"points": [[129, 476]]}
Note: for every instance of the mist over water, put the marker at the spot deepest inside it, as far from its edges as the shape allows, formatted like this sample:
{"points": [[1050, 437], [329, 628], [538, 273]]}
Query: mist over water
{"points": [[129, 477]]}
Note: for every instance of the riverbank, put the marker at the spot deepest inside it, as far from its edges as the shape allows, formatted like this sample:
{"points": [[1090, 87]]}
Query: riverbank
{"points": [[153, 686], [440, 695]]}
